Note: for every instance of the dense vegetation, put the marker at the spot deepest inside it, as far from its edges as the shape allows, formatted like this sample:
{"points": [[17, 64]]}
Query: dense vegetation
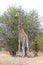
{"points": [[9, 28]]}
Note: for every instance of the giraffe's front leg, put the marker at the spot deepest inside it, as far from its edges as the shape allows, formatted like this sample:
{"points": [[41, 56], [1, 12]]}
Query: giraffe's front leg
{"points": [[23, 50], [19, 45]]}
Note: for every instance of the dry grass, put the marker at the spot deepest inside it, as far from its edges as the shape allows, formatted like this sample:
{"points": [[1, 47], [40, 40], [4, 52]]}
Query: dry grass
{"points": [[6, 59]]}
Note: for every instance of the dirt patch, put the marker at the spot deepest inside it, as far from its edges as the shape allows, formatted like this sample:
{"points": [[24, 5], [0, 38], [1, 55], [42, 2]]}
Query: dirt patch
{"points": [[6, 59]]}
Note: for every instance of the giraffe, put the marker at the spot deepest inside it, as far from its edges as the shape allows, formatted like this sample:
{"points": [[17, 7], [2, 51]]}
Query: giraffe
{"points": [[22, 38]]}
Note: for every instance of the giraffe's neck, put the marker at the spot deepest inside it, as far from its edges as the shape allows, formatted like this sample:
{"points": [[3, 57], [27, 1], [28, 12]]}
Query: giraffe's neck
{"points": [[20, 28]]}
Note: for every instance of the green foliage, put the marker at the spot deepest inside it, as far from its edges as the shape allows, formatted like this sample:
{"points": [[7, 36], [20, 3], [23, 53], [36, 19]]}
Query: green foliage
{"points": [[37, 39], [35, 44], [35, 49]]}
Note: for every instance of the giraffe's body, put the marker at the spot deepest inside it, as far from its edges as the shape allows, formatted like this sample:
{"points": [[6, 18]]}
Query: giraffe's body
{"points": [[23, 38]]}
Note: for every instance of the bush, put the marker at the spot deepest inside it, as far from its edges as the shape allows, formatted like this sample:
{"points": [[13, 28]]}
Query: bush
{"points": [[35, 45], [35, 48]]}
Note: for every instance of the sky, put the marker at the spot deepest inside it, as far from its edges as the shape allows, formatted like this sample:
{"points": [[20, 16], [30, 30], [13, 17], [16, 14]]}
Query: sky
{"points": [[26, 5]]}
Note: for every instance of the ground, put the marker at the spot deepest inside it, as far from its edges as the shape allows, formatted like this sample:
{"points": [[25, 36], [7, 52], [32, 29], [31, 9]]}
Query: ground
{"points": [[6, 59]]}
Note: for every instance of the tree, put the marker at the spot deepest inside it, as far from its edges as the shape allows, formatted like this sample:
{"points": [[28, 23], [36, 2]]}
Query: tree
{"points": [[30, 24]]}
